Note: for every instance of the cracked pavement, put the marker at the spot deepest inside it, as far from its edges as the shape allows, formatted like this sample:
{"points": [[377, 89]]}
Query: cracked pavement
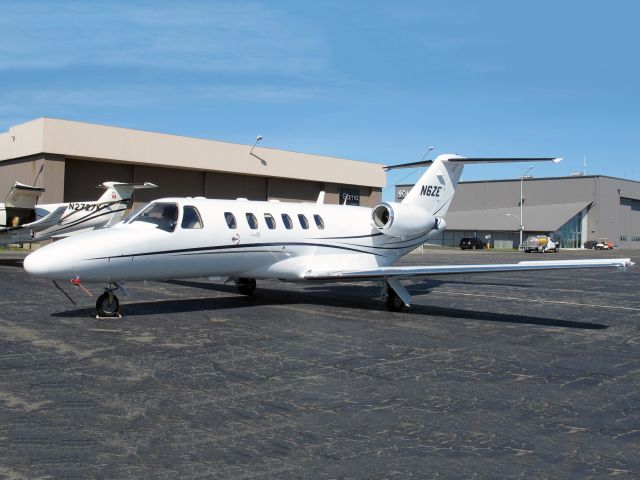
{"points": [[510, 375]]}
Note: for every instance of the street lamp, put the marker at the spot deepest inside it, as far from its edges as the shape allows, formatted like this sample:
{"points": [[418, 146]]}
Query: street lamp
{"points": [[522, 204], [258, 138]]}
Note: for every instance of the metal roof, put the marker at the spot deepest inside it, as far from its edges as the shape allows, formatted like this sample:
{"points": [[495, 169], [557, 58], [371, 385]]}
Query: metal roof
{"points": [[538, 218]]}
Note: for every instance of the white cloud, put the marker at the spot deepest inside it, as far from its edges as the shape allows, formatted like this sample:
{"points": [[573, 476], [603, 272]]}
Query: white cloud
{"points": [[202, 36]]}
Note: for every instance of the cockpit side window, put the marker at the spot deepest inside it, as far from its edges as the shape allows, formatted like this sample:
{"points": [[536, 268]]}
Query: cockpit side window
{"points": [[164, 215], [191, 218]]}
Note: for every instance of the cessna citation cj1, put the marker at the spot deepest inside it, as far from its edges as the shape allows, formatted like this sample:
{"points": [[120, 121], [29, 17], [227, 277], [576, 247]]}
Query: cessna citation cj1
{"points": [[22, 221], [248, 240]]}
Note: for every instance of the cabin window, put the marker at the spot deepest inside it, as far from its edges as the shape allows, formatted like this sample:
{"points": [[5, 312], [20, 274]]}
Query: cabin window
{"points": [[304, 223], [271, 222], [286, 219], [231, 220], [164, 215], [191, 218], [319, 222], [252, 221]]}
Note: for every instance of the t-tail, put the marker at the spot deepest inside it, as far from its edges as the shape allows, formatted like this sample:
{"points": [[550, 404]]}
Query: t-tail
{"points": [[434, 191], [121, 192], [117, 198]]}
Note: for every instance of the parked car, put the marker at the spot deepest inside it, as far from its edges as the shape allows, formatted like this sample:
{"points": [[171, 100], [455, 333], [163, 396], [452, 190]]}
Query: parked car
{"points": [[604, 244], [471, 243], [540, 243], [590, 244]]}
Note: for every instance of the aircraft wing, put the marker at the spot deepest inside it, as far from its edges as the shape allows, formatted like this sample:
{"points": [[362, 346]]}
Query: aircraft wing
{"points": [[411, 272], [42, 224], [393, 275]]}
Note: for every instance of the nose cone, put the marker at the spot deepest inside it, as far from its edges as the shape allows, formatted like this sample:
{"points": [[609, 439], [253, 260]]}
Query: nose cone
{"points": [[53, 261]]}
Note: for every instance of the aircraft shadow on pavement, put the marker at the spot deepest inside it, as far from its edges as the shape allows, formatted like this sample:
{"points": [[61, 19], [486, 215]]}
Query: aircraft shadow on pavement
{"points": [[360, 297], [11, 262]]}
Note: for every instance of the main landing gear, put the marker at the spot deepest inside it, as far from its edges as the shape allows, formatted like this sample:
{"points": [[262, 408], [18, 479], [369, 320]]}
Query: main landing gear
{"points": [[392, 300], [246, 286], [107, 304]]}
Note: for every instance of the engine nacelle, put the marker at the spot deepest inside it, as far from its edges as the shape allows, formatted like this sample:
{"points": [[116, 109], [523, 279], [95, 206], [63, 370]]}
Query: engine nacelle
{"points": [[401, 220]]}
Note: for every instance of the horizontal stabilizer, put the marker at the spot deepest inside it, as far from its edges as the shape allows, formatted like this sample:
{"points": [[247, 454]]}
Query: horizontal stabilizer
{"points": [[410, 272], [133, 186], [469, 160], [122, 192], [23, 196]]}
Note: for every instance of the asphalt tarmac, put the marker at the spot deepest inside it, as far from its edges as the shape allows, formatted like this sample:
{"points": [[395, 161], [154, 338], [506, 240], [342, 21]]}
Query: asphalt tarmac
{"points": [[511, 375]]}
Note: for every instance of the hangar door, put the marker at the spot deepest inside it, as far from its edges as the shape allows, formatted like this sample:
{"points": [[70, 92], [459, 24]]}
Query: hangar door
{"points": [[81, 178]]}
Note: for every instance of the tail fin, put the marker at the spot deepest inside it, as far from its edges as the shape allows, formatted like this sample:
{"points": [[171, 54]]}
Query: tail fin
{"points": [[434, 191], [121, 192]]}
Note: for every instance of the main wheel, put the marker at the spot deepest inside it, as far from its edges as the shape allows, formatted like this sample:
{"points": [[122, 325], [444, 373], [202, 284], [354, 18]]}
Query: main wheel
{"points": [[108, 305], [393, 302], [246, 286]]}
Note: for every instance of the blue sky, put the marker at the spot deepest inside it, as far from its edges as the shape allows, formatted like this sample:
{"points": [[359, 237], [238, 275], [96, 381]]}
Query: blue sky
{"points": [[376, 81]]}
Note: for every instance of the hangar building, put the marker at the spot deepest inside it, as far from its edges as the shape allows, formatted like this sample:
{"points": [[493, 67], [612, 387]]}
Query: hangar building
{"points": [[573, 209], [70, 158]]}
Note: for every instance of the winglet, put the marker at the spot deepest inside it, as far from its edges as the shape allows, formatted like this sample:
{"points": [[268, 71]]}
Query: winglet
{"points": [[320, 200]]}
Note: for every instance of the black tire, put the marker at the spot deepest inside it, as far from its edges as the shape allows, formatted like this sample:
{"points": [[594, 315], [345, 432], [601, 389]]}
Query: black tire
{"points": [[393, 302], [246, 286], [108, 305]]}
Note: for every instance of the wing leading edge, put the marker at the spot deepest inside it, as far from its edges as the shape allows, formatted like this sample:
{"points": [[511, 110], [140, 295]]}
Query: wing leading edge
{"points": [[427, 271], [393, 275]]}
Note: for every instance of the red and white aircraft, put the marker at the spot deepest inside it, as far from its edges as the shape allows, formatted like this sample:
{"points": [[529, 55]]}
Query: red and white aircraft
{"points": [[248, 240]]}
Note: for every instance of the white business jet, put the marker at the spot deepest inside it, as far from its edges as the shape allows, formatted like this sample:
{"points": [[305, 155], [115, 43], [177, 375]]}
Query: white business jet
{"points": [[248, 240], [22, 221]]}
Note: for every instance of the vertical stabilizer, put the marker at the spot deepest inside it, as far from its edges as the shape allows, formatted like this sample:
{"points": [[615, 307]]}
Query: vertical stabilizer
{"points": [[434, 191]]}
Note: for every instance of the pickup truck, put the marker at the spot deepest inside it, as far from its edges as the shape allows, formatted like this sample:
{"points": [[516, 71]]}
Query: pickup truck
{"points": [[540, 243]]}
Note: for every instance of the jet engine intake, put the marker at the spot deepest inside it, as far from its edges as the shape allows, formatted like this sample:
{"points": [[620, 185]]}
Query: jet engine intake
{"points": [[401, 220]]}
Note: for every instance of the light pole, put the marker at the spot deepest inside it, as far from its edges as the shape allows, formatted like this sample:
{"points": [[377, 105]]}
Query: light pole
{"points": [[258, 138], [522, 204]]}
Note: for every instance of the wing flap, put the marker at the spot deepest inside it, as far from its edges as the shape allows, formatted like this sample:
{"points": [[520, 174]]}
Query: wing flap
{"points": [[427, 271]]}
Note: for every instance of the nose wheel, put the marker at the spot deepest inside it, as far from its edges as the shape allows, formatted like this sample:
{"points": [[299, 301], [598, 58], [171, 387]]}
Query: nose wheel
{"points": [[108, 305]]}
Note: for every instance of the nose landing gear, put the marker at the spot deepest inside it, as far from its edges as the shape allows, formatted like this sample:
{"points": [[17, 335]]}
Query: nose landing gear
{"points": [[108, 305]]}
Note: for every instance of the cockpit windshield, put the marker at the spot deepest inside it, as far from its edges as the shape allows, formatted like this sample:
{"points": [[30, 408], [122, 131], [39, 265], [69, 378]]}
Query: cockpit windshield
{"points": [[164, 215]]}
